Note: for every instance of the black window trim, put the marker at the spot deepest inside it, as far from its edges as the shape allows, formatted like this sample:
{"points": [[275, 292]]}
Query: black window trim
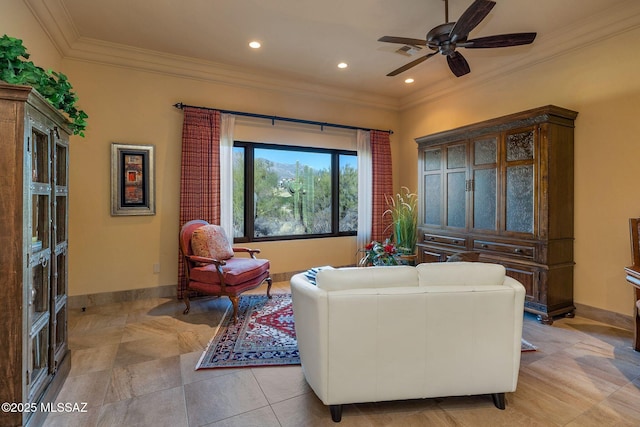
{"points": [[249, 189]]}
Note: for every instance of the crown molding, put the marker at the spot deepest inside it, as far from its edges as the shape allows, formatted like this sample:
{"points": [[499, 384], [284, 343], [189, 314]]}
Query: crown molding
{"points": [[56, 22], [105, 53]]}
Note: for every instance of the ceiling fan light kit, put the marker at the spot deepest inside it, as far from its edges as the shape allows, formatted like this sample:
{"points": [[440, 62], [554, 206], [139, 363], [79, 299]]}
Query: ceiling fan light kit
{"points": [[447, 37]]}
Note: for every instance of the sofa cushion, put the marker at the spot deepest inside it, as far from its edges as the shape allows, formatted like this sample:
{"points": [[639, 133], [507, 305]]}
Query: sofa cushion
{"points": [[210, 241], [460, 273], [367, 277]]}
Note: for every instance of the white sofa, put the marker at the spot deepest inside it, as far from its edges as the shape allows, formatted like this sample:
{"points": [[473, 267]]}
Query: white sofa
{"points": [[390, 333]]}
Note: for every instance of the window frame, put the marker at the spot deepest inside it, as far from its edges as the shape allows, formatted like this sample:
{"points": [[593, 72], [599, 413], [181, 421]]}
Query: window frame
{"points": [[249, 203]]}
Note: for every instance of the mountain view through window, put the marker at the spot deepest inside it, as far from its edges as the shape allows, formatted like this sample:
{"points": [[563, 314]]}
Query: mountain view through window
{"points": [[295, 191]]}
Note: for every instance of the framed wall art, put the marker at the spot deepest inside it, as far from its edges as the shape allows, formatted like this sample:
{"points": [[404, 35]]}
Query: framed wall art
{"points": [[132, 179]]}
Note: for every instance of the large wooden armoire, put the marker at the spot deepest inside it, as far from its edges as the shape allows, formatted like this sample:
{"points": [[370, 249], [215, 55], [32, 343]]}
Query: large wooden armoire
{"points": [[504, 188], [34, 355]]}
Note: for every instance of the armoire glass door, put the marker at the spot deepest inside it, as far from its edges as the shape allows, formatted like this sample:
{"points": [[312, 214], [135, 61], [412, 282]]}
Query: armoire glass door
{"points": [[485, 183], [456, 179], [38, 285], [432, 187], [520, 181]]}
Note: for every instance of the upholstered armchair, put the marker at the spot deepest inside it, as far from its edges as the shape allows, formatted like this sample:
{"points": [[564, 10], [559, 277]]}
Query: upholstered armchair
{"points": [[212, 267]]}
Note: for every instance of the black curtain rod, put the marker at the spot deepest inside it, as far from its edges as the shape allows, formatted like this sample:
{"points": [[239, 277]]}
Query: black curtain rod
{"points": [[273, 119]]}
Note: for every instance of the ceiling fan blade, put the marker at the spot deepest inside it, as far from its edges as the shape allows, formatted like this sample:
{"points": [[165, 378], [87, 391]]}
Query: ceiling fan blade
{"points": [[458, 64], [470, 19], [410, 65], [501, 40], [403, 40]]}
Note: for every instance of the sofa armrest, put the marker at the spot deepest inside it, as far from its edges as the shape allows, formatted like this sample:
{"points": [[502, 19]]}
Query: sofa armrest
{"points": [[311, 317]]}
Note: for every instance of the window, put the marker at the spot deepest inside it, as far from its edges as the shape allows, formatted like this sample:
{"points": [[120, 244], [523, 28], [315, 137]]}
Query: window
{"points": [[287, 192]]}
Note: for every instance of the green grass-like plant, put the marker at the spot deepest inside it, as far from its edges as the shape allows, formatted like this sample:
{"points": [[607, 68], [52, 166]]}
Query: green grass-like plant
{"points": [[15, 68], [403, 210]]}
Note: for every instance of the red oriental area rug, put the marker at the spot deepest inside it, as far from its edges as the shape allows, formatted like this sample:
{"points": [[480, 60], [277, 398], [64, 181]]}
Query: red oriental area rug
{"points": [[527, 346], [263, 336]]}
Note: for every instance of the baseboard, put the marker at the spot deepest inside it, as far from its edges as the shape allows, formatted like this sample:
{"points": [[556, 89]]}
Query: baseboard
{"points": [[605, 316], [283, 277], [103, 298], [166, 291], [286, 276]]}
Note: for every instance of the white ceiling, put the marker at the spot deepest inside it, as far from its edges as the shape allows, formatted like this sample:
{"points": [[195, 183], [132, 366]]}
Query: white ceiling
{"points": [[303, 40]]}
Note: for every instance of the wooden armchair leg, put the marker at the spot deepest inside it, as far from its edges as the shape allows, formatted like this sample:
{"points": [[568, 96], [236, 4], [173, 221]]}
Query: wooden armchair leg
{"points": [[269, 287], [186, 302], [234, 302]]}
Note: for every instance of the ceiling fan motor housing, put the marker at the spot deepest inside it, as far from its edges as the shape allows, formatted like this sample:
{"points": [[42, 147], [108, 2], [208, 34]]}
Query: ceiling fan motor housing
{"points": [[438, 39]]}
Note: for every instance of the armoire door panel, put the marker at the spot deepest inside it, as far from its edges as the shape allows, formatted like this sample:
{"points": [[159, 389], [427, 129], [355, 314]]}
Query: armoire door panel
{"points": [[432, 200], [456, 199], [485, 199], [519, 198]]}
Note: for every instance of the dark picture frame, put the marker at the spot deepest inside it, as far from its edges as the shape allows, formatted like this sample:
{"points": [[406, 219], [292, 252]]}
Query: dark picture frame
{"points": [[132, 179]]}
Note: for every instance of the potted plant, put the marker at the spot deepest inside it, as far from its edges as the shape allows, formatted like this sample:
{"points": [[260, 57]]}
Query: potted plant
{"points": [[54, 87], [403, 210]]}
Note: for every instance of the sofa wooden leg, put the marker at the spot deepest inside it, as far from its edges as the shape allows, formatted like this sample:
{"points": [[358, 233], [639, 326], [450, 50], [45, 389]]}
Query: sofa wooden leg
{"points": [[336, 413], [498, 400]]}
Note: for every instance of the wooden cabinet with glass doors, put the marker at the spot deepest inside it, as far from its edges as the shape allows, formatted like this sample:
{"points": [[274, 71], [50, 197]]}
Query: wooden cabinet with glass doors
{"points": [[504, 188], [34, 357]]}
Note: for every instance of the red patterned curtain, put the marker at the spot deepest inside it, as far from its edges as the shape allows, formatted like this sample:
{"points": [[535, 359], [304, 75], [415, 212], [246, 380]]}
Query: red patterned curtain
{"points": [[200, 172], [382, 183]]}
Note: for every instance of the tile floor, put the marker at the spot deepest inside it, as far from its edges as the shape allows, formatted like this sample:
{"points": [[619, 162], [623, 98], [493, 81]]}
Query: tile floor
{"points": [[133, 363]]}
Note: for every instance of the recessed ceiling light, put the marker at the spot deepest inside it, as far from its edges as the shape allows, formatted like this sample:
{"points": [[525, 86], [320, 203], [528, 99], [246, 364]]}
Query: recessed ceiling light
{"points": [[343, 65], [409, 80], [255, 45]]}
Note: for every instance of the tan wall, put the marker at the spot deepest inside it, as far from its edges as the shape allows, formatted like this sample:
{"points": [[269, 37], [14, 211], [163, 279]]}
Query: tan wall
{"points": [[128, 106], [600, 82], [17, 21]]}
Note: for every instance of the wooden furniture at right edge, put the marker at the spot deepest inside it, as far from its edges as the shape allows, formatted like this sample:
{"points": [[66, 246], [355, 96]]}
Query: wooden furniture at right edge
{"points": [[504, 188], [633, 277]]}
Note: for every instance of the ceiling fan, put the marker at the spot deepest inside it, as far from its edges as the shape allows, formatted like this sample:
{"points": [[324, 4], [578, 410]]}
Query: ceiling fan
{"points": [[445, 38]]}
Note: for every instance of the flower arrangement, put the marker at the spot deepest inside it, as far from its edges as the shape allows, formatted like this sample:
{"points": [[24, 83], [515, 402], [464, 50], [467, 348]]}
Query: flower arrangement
{"points": [[378, 254]]}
